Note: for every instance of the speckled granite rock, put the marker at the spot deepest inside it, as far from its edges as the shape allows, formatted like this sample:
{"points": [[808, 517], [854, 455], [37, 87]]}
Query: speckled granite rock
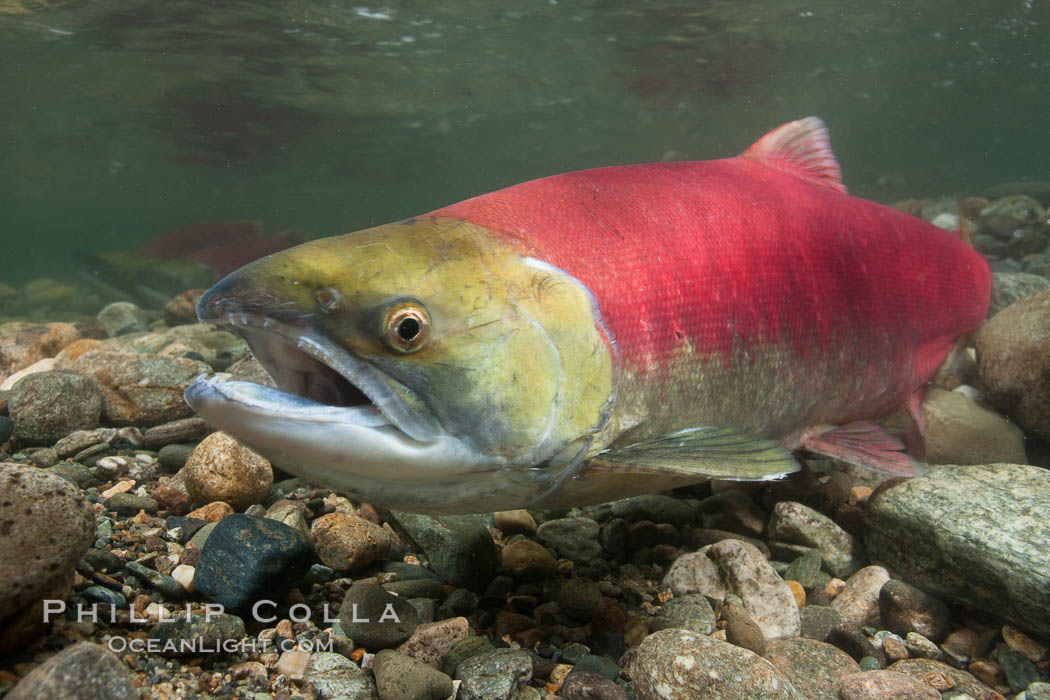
{"points": [[84, 671], [799, 524], [973, 534], [47, 406], [814, 668], [885, 685], [679, 664], [768, 600]]}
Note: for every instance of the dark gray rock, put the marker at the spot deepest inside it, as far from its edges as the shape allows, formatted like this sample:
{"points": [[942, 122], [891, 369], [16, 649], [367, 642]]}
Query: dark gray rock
{"points": [[131, 504], [689, 612], [1008, 288], [418, 588], [47, 406], [656, 507], [573, 538], [904, 608], [7, 429], [188, 635], [83, 671], [680, 664], [400, 677], [805, 569], [600, 665], [990, 550], [814, 668], [173, 457], [463, 650], [75, 473], [818, 621], [160, 582], [1019, 671], [376, 619], [459, 547], [245, 557], [494, 675], [580, 598]]}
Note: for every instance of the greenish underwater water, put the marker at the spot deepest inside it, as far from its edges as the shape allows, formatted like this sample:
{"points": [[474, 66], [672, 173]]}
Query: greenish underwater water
{"points": [[123, 120]]}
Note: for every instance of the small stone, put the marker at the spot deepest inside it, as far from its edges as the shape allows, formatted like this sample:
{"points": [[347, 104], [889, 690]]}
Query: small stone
{"points": [[1037, 691], [732, 510], [400, 676], [1019, 671], [222, 469], [431, 642], [895, 649], [986, 672], [291, 514], [500, 674], [695, 573], [376, 619], [103, 595], [121, 318], [918, 645], [335, 676], [818, 621], [515, 522], [212, 512], [581, 685], [743, 631], [244, 557], [885, 685], [679, 664], [690, 612], [173, 457], [183, 574], [418, 588], [130, 504], [7, 428], [462, 650], [928, 670], [572, 538], [904, 608], [23, 344], [600, 665], [798, 591], [813, 668], [805, 569], [528, 560], [459, 548], [47, 406], [348, 542], [293, 663], [160, 582], [1023, 644], [960, 647], [83, 671], [186, 634], [858, 603], [179, 431], [768, 599], [800, 524], [580, 598]]}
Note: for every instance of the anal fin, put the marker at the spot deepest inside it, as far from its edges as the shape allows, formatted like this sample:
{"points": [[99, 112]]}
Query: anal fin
{"points": [[867, 445], [715, 452]]}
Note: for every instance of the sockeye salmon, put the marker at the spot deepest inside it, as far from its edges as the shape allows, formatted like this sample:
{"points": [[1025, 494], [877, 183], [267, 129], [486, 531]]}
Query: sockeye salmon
{"points": [[599, 334]]}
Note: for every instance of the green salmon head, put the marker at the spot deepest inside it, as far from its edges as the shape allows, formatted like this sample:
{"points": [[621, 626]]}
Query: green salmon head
{"points": [[423, 365]]}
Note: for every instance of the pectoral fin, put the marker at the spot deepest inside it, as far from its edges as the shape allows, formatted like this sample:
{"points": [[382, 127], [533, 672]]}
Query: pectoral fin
{"points": [[865, 445], [715, 452]]}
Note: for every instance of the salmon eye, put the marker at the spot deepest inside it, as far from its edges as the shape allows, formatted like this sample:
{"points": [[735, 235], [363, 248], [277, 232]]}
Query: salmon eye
{"points": [[328, 298], [406, 326]]}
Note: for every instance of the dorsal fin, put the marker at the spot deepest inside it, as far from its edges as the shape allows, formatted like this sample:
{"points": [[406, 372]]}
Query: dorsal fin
{"points": [[800, 148]]}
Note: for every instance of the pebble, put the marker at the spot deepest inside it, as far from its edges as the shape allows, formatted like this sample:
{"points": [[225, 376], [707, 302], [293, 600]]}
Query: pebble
{"points": [[376, 619], [805, 569], [580, 598], [130, 504], [680, 664], [246, 557], [1023, 644], [47, 406], [690, 612], [817, 621], [734, 511], [500, 674], [904, 608], [800, 524], [528, 560], [960, 646], [694, 573], [582, 685], [222, 469], [45, 365], [400, 677], [1036, 691], [1019, 671], [858, 603], [183, 575], [173, 457], [7, 429], [160, 582], [918, 645], [895, 649], [47, 526], [1008, 288], [515, 522], [885, 685], [83, 671], [22, 344], [187, 634], [920, 669], [103, 595], [768, 599], [459, 548], [431, 642], [140, 388], [1013, 362], [657, 507], [335, 676], [572, 538], [990, 550], [348, 542], [211, 512], [463, 650], [959, 431], [293, 663], [741, 630], [813, 668], [174, 432], [121, 318], [418, 588]]}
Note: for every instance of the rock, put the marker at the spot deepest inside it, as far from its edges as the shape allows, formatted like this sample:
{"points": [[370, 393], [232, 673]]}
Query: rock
{"points": [[990, 550], [572, 538], [657, 507], [45, 365], [130, 504], [500, 674], [173, 457], [336, 676], [582, 685], [515, 522], [347, 542], [399, 676], [432, 641], [291, 514], [958, 431], [818, 621], [580, 598], [462, 650], [211, 512], [459, 547], [83, 671], [7, 429], [158, 581], [695, 573], [741, 630], [919, 646], [49, 405], [182, 309], [528, 560], [690, 612], [805, 569], [23, 344], [121, 318], [176, 431], [1012, 227], [376, 619], [1019, 671], [600, 665], [885, 685], [858, 603], [732, 510], [1013, 363], [222, 469], [186, 635], [140, 389], [293, 663], [676, 663], [768, 599], [904, 608], [814, 668], [1023, 644], [246, 557], [1008, 288], [418, 588], [46, 525], [920, 669], [794, 522]]}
